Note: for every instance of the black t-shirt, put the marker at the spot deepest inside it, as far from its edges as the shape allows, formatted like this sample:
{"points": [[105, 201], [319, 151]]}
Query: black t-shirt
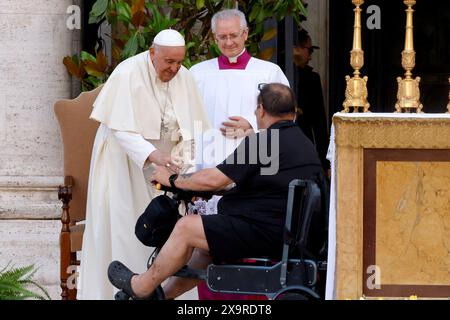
{"points": [[260, 194]]}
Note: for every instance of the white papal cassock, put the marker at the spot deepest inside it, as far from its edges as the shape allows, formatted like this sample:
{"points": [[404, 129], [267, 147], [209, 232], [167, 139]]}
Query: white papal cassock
{"points": [[230, 89], [138, 113]]}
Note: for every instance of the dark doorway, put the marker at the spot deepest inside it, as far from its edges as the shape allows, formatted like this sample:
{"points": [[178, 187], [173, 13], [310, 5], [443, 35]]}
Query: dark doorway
{"points": [[382, 52], [90, 40]]}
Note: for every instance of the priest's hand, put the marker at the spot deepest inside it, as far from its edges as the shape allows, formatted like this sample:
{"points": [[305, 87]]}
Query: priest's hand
{"points": [[163, 159], [237, 127], [161, 175]]}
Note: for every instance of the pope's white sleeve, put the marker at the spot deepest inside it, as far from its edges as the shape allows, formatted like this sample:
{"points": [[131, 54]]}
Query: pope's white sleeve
{"points": [[136, 147]]}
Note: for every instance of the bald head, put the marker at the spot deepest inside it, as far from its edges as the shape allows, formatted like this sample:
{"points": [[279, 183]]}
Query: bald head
{"points": [[277, 99]]}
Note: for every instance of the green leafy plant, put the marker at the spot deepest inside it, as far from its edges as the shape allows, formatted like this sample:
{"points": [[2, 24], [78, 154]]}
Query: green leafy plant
{"points": [[136, 22], [17, 284]]}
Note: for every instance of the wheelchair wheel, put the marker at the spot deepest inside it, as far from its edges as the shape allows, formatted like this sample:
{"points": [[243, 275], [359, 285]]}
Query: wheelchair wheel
{"points": [[297, 294], [293, 296], [120, 295]]}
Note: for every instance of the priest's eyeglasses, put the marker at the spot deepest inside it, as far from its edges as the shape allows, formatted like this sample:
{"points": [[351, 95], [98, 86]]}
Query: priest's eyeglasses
{"points": [[233, 37], [261, 85]]}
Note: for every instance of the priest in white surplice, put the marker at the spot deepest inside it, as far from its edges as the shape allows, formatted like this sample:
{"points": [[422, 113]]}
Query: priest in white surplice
{"points": [[148, 109], [229, 87]]}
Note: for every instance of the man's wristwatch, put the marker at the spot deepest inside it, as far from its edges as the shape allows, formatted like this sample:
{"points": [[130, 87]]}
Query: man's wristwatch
{"points": [[172, 179]]}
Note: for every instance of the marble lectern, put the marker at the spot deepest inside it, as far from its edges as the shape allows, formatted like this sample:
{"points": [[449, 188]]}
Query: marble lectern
{"points": [[390, 207]]}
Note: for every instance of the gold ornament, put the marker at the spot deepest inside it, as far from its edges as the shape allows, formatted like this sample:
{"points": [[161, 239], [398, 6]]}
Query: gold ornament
{"points": [[408, 94], [356, 90]]}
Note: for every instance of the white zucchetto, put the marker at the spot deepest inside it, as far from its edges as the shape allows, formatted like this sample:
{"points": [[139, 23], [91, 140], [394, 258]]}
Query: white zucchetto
{"points": [[169, 38]]}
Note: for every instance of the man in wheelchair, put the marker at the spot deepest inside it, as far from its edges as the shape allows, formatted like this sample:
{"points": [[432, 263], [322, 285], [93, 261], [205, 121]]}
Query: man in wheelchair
{"points": [[251, 216]]}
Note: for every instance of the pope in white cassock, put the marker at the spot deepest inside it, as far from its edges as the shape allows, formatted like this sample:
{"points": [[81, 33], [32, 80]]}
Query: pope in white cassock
{"points": [[229, 86], [147, 110]]}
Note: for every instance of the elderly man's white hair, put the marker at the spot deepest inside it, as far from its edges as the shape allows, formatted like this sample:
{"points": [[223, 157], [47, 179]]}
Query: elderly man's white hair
{"points": [[228, 14], [169, 38]]}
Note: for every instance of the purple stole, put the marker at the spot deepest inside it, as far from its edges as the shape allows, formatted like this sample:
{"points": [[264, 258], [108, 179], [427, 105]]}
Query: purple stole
{"points": [[240, 64]]}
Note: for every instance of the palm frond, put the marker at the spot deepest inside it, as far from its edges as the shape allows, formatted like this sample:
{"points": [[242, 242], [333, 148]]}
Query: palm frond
{"points": [[16, 284]]}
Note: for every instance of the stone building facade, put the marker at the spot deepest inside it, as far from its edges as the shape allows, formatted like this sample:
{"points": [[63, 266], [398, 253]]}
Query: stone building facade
{"points": [[35, 39]]}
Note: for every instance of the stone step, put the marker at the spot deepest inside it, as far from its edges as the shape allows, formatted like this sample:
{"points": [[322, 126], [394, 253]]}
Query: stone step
{"points": [[25, 242]]}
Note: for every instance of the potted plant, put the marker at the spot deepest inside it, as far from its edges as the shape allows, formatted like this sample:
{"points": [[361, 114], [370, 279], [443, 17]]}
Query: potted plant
{"points": [[18, 284], [135, 23]]}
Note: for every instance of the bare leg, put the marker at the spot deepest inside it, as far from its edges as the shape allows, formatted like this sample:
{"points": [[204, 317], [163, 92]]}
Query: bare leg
{"points": [[176, 286], [176, 252]]}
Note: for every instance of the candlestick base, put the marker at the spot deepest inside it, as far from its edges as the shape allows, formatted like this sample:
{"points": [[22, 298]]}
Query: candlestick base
{"points": [[408, 96], [356, 94]]}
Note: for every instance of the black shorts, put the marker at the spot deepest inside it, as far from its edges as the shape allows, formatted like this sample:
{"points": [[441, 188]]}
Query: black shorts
{"points": [[231, 238]]}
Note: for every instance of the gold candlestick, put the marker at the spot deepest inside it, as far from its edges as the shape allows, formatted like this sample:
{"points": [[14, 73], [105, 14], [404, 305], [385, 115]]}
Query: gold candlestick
{"points": [[356, 91], [408, 94]]}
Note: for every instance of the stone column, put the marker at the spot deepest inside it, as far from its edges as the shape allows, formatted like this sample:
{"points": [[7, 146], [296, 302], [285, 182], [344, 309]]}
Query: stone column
{"points": [[35, 39]]}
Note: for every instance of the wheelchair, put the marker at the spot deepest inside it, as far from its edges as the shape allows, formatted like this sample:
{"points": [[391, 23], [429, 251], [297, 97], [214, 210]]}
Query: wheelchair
{"points": [[298, 275]]}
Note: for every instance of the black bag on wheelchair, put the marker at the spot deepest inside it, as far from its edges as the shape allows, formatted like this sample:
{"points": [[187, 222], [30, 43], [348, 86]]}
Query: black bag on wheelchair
{"points": [[154, 226]]}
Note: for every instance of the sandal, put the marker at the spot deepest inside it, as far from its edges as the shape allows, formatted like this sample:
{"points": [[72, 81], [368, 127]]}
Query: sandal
{"points": [[120, 277]]}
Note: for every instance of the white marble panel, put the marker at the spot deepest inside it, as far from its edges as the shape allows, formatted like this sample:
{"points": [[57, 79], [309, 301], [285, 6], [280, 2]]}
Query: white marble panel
{"points": [[35, 242], [2, 119], [35, 7]]}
